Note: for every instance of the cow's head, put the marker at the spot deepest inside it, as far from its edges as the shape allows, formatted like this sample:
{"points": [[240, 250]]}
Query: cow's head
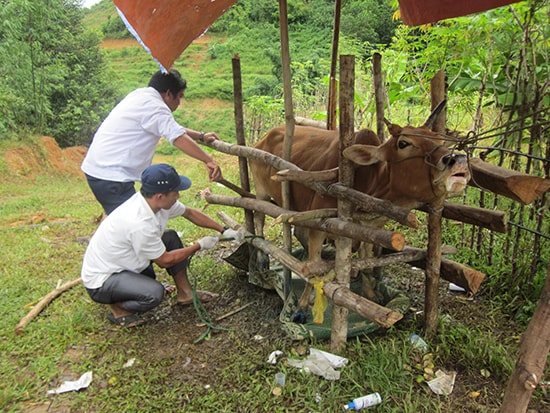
{"points": [[420, 168]]}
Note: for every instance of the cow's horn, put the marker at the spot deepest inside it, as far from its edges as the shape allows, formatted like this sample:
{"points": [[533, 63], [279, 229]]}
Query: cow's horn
{"points": [[433, 116]]}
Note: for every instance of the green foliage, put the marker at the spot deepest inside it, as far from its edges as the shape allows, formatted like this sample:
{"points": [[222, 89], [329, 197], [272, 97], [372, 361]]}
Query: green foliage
{"points": [[114, 28], [53, 79]]}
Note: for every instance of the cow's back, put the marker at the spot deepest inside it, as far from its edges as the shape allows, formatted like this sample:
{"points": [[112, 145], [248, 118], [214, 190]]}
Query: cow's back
{"points": [[313, 149]]}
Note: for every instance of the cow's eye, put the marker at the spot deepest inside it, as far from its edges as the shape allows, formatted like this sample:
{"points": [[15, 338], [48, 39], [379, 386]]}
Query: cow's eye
{"points": [[402, 144]]}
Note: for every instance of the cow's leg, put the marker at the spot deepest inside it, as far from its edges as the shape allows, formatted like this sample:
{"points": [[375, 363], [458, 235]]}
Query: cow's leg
{"points": [[370, 276], [315, 246]]}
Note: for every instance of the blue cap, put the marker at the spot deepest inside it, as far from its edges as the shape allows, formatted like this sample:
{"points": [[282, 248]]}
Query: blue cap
{"points": [[162, 178]]}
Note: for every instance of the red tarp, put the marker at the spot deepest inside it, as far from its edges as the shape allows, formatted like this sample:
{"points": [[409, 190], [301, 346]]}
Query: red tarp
{"points": [[167, 27], [417, 12]]}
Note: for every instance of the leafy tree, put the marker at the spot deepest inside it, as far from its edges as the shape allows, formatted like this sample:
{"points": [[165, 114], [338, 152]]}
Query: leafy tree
{"points": [[53, 72]]}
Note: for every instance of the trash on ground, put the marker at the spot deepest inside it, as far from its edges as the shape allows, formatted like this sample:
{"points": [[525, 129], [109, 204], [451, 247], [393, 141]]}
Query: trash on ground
{"points": [[280, 379], [83, 382], [456, 288], [129, 363], [443, 383], [418, 343], [364, 401], [272, 359], [320, 363]]}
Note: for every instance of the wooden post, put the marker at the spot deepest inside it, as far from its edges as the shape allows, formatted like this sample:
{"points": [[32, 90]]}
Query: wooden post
{"points": [[339, 333], [331, 107], [239, 130], [289, 122], [433, 260], [533, 352], [379, 96]]}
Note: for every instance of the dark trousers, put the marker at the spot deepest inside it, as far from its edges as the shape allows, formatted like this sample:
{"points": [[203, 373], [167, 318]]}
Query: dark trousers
{"points": [[138, 292], [110, 194]]}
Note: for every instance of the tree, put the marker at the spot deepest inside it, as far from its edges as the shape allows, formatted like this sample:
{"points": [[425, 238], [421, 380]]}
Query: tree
{"points": [[54, 79]]}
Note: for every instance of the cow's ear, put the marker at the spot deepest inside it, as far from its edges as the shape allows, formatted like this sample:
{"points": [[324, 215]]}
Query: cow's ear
{"points": [[395, 130], [363, 154]]}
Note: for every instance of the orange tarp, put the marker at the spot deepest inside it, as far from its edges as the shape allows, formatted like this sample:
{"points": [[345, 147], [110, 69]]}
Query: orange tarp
{"points": [[167, 27], [417, 12]]}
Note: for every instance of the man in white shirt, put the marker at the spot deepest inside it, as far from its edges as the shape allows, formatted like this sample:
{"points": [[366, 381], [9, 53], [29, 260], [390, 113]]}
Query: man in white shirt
{"points": [[125, 143], [117, 267]]}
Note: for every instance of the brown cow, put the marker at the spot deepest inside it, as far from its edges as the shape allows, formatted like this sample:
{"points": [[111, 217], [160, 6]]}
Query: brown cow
{"points": [[410, 169]]}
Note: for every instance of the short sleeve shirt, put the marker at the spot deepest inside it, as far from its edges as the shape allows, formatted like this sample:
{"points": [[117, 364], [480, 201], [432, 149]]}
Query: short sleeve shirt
{"points": [[124, 144], [127, 240]]}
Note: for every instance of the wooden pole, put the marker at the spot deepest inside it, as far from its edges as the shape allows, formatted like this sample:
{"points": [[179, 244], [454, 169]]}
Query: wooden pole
{"points": [[435, 214], [239, 130], [289, 122], [339, 333], [388, 239], [379, 96], [533, 354], [332, 103]]}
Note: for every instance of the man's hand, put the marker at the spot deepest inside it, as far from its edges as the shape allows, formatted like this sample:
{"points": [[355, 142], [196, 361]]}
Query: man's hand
{"points": [[207, 243], [214, 171], [232, 234]]}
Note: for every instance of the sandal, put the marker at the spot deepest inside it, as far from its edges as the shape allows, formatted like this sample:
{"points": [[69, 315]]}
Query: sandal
{"points": [[132, 320], [203, 296]]}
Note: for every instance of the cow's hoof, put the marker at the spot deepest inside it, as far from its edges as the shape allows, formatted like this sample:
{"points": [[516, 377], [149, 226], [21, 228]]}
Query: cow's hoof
{"points": [[299, 317]]}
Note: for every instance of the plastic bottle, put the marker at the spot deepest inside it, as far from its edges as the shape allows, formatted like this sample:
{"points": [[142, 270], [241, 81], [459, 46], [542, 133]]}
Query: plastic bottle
{"points": [[365, 401], [418, 343]]}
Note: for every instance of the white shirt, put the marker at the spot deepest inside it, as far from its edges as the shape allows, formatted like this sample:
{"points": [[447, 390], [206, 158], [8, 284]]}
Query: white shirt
{"points": [[127, 240], [124, 144]]}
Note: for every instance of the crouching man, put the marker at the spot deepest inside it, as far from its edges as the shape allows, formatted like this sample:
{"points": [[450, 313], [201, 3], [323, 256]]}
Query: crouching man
{"points": [[118, 264]]}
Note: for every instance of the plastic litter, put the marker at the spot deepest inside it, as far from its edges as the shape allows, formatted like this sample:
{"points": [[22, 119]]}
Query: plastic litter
{"points": [[280, 379], [443, 383], [365, 401], [83, 382], [272, 359], [418, 343], [456, 288], [320, 363]]}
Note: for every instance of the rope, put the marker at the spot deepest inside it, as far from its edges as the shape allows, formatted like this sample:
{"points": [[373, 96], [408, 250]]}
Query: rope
{"points": [[201, 309]]}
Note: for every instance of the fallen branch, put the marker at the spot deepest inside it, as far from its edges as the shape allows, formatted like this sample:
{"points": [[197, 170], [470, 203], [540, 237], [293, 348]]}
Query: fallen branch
{"points": [[43, 303]]}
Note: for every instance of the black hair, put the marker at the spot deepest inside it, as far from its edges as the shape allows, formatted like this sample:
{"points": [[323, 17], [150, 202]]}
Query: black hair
{"points": [[171, 81], [146, 194]]}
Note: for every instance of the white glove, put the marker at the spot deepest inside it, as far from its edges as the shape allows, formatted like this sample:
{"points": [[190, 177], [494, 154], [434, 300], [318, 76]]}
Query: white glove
{"points": [[231, 233], [207, 243]]}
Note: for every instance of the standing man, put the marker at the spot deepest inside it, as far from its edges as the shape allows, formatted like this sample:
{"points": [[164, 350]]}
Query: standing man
{"points": [[117, 268], [125, 143]]}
